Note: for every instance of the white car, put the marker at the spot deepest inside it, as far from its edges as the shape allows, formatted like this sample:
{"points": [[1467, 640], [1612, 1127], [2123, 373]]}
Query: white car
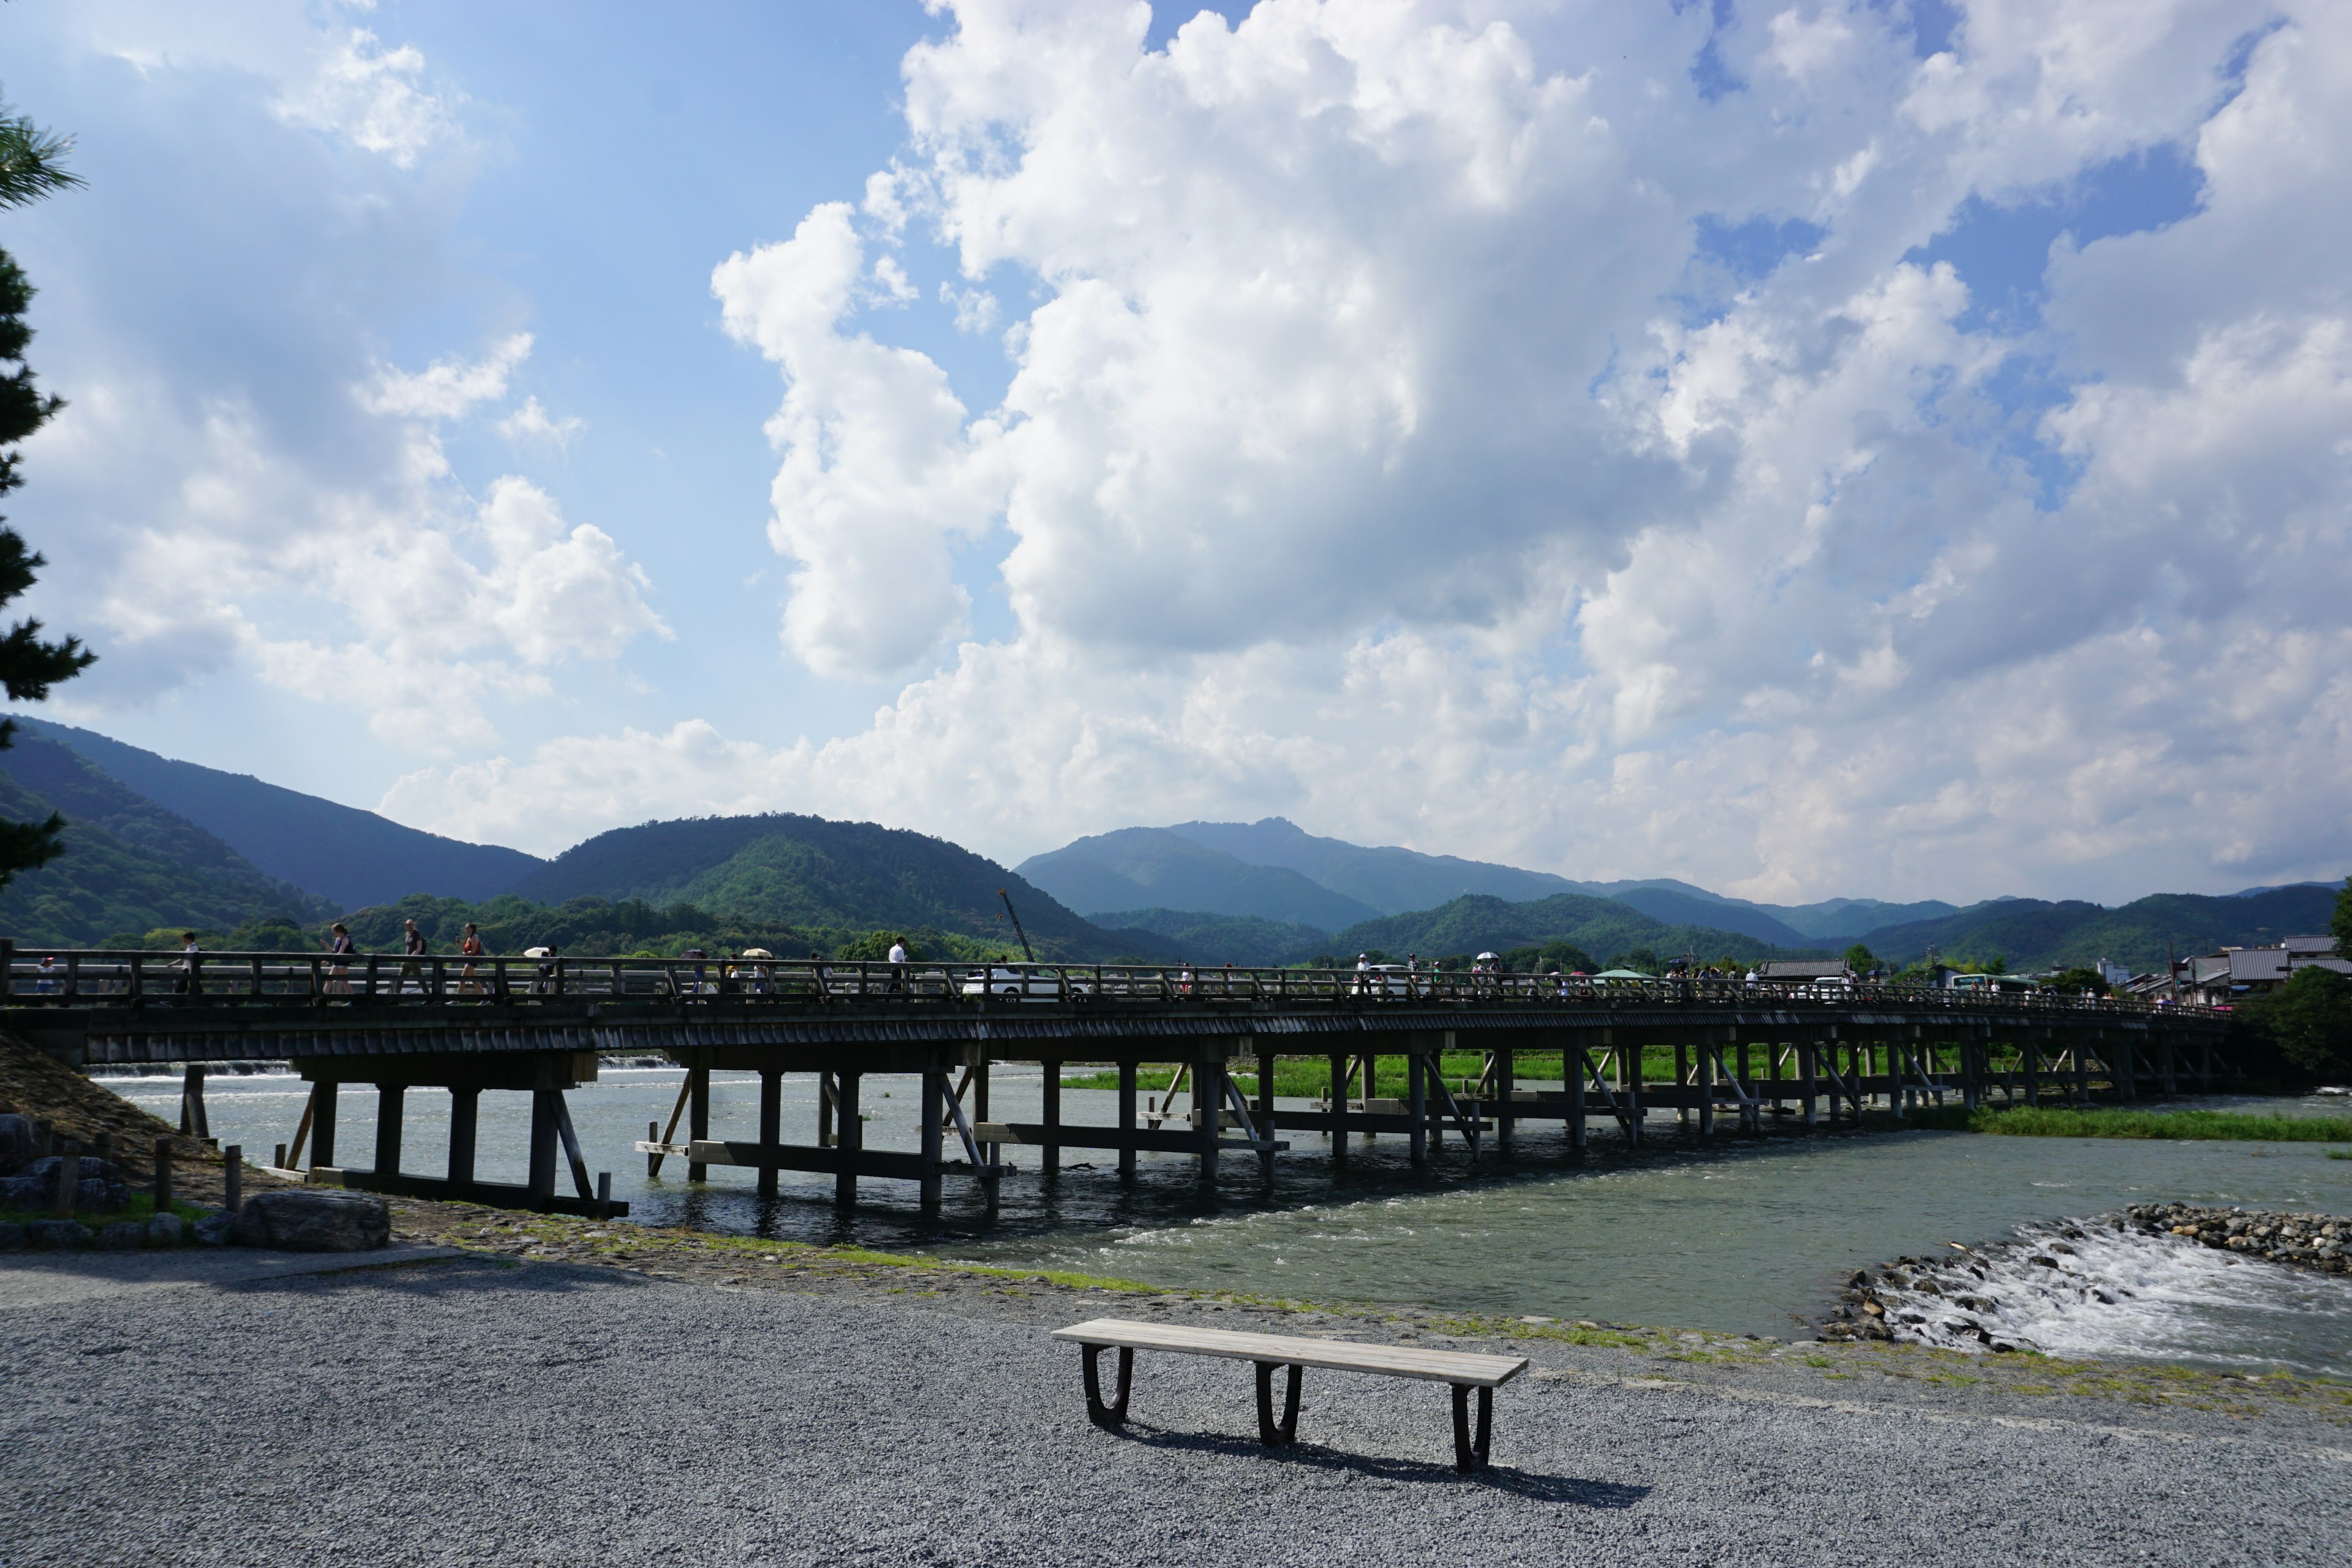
{"points": [[1023, 985]]}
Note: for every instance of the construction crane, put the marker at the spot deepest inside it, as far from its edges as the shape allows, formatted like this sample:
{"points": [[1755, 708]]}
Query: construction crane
{"points": [[1017, 925]]}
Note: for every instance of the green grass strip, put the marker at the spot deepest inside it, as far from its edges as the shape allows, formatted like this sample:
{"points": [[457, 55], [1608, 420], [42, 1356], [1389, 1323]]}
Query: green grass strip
{"points": [[2028, 1121]]}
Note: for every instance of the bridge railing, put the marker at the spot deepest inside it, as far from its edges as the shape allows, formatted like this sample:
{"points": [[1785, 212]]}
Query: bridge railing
{"points": [[101, 978]]}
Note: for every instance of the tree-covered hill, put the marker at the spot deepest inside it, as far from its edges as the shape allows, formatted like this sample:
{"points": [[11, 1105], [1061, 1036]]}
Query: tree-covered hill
{"points": [[1602, 927], [1245, 939], [783, 871], [130, 866], [2031, 934]]}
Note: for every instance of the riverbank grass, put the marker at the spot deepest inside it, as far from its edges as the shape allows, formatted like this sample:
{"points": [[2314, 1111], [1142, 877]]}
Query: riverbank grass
{"points": [[2050, 1122]]}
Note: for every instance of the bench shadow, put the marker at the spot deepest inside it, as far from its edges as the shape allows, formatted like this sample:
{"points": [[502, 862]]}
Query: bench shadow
{"points": [[1536, 1487]]}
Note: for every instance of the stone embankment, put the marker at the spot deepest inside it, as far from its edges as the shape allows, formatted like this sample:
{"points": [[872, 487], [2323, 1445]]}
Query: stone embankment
{"points": [[2315, 1241]]}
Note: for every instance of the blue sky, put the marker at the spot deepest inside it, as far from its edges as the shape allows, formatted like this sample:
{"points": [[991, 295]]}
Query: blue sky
{"points": [[1784, 447]]}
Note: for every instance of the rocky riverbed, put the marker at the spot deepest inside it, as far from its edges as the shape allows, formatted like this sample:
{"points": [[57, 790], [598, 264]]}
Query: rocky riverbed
{"points": [[2316, 1241]]}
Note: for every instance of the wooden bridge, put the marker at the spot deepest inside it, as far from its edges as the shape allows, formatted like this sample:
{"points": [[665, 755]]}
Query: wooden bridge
{"points": [[1718, 1053]]}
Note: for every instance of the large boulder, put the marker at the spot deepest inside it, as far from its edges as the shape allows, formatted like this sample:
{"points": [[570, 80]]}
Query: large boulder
{"points": [[20, 1141], [61, 1235], [123, 1235], [165, 1230], [217, 1229], [315, 1219]]}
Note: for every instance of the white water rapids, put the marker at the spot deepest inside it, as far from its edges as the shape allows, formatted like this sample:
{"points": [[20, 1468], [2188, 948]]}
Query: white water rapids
{"points": [[2099, 1288]]}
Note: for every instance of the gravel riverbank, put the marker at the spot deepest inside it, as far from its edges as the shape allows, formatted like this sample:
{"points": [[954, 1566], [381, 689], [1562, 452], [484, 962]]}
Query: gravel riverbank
{"points": [[694, 1399]]}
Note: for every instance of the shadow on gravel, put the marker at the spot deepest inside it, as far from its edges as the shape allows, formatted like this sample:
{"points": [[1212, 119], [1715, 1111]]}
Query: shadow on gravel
{"points": [[465, 1276], [1529, 1484]]}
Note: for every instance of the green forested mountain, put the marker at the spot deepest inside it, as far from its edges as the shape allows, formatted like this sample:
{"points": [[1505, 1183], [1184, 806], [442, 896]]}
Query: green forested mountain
{"points": [[1602, 927], [1245, 939], [789, 872], [130, 866], [1156, 867], [2033, 934]]}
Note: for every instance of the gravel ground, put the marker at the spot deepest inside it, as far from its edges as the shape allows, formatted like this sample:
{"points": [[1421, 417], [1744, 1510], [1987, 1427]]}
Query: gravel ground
{"points": [[483, 1410]]}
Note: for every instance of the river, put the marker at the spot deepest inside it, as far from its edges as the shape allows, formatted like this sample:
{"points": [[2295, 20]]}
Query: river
{"points": [[1740, 1237]]}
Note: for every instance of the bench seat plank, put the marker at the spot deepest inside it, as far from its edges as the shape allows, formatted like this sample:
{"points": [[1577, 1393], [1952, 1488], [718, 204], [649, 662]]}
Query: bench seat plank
{"points": [[1460, 1367]]}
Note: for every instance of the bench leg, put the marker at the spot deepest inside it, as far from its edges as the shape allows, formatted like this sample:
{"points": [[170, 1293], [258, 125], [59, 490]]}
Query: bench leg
{"points": [[1285, 1435], [1111, 1414], [1465, 1456]]}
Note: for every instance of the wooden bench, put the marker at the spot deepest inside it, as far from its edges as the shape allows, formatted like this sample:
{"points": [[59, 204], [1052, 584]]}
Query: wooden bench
{"points": [[1463, 1371]]}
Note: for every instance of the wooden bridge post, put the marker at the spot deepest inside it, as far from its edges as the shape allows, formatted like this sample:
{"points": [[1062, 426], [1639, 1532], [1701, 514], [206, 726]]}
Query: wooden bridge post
{"points": [[1416, 1079], [1208, 1097], [2164, 1073], [698, 1115], [1049, 1156], [1636, 1115], [1127, 1118], [934, 1107], [1708, 1067], [1809, 1083], [1575, 1065], [772, 1126], [2029, 1058], [324, 1095], [2122, 1068], [2082, 1041], [1506, 1085], [988, 1151], [465, 1119], [1370, 1065], [1972, 1055], [850, 1139], [1264, 1130], [543, 1138], [1682, 1086], [193, 1121], [391, 1099], [1338, 1132]]}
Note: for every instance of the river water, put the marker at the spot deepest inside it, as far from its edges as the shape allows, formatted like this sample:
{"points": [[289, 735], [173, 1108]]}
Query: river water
{"points": [[1740, 1237]]}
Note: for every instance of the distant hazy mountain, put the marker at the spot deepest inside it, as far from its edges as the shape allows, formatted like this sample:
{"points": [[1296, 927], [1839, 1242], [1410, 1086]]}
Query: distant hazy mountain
{"points": [[1387, 879], [130, 866], [350, 856], [807, 871], [1722, 914], [1602, 927], [2032, 933], [1213, 940], [1149, 867]]}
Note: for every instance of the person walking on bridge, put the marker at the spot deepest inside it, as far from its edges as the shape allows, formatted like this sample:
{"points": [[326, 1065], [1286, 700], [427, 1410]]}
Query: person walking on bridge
{"points": [[470, 946], [339, 944], [415, 947]]}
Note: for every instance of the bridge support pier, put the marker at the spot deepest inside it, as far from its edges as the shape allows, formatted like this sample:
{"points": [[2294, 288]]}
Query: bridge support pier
{"points": [[771, 1123], [2029, 1055], [541, 1181], [1127, 1118], [698, 1117], [1416, 1094], [1208, 1097], [324, 1095], [934, 1109], [847, 1141], [391, 1101], [193, 1121], [465, 1119], [1505, 1086], [1338, 1133], [1263, 1131], [1576, 1066], [1049, 1159]]}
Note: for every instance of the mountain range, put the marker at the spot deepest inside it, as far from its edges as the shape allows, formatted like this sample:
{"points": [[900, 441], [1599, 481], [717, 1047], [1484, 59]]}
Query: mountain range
{"points": [[156, 845]]}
